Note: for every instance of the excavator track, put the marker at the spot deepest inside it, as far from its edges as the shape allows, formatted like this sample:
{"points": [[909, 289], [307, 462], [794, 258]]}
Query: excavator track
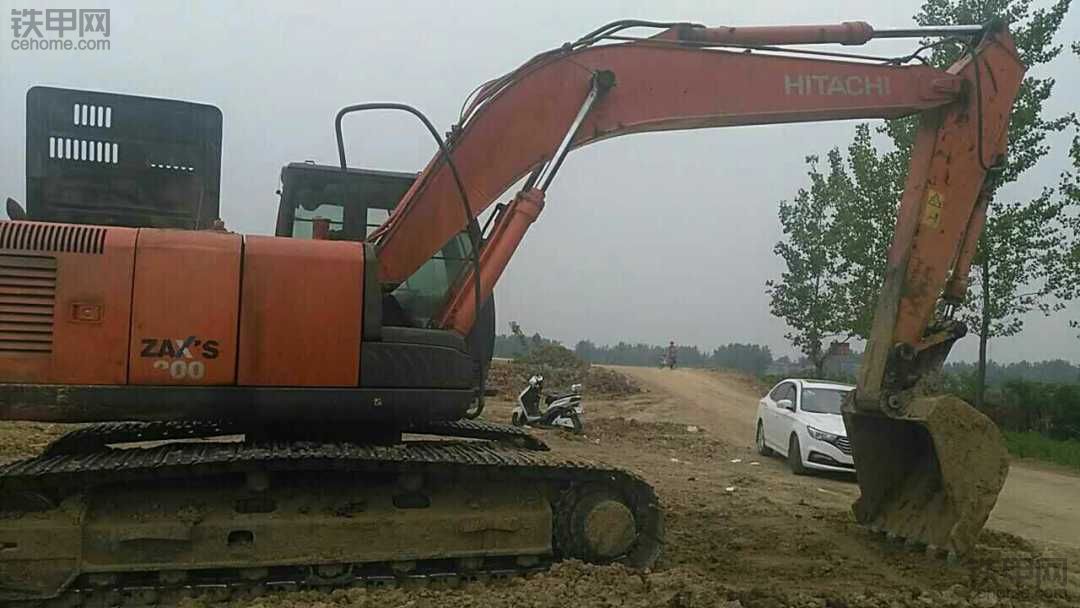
{"points": [[147, 525], [96, 437]]}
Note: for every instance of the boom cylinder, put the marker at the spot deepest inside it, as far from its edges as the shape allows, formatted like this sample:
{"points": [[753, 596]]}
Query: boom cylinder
{"points": [[849, 33], [459, 314]]}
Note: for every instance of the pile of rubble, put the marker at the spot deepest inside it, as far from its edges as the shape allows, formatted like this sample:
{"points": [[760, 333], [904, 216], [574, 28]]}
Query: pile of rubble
{"points": [[560, 368]]}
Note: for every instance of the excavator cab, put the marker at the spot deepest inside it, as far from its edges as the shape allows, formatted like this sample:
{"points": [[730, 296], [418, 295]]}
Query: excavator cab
{"points": [[323, 201], [326, 202]]}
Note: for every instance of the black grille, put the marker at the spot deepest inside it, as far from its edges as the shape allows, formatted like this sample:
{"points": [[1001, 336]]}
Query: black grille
{"points": [[121, 160], [33, 236], [27, 300], [843, 445]]}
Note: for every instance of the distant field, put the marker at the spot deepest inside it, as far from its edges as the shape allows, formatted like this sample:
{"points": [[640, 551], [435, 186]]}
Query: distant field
{"points": [[1034, 445]]}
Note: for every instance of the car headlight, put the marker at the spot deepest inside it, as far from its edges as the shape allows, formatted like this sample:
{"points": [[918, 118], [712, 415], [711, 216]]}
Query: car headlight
{"points": [[821, 435]]}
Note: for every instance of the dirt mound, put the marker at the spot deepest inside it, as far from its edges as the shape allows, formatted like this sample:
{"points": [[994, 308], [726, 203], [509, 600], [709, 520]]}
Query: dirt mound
{"points": [[552, 356], [682, 441], [559, 372], [566, 584], [23, 439], [610, 383], [576, 584]]}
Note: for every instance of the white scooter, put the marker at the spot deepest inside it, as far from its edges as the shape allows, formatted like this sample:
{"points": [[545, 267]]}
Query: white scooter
{"points": [[562, 410]]}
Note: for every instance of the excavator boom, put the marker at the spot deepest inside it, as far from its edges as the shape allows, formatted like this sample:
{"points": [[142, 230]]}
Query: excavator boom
{"points": [[659, 86], [930, 469]]}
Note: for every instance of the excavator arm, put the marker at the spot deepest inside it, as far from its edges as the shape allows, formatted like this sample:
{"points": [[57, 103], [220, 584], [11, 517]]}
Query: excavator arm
{"points": [[929, 469]]}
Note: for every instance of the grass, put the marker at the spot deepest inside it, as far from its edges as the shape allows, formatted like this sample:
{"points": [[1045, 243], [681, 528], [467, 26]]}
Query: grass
{"points": [[1034, 445]]}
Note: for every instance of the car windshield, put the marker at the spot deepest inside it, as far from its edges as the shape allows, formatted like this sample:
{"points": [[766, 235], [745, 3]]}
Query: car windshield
{"points": [[822, 400]]}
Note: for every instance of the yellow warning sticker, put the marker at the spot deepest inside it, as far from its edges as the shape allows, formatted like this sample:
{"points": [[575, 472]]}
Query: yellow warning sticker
{"points": [[932, 208]]}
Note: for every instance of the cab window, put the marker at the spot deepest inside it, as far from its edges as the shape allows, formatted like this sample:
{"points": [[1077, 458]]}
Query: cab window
{"points": [[304, 219], [327, 201], [422, 295], [375, 218]]}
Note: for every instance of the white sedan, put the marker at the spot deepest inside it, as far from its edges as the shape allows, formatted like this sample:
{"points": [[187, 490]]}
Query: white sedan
{"points": [[801, 420]]}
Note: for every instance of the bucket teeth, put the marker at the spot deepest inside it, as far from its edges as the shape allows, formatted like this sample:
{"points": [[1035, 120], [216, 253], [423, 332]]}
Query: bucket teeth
{"points": [[930, 478]]}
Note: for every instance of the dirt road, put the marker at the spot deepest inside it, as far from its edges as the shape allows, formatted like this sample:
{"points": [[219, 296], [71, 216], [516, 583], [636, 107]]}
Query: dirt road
{"points": [[1037, 503], [742, 532]]}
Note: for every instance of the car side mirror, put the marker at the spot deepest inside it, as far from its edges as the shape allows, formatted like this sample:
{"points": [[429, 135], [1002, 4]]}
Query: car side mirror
{"points": [[786, 404]]}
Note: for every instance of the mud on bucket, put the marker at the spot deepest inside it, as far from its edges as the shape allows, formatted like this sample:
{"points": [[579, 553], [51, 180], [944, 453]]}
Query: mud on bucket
{"points": [[930, 478]]}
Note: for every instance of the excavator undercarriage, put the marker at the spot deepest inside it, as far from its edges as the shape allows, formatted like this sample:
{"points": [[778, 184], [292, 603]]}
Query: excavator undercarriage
{"points": [[102, 525]]}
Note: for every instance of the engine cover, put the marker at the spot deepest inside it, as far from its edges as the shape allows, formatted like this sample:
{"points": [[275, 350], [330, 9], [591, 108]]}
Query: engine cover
{"points": [[92, 305]]}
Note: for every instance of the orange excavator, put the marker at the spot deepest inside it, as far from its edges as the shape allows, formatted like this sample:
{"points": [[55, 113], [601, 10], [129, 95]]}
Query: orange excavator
{"points": [[300, 410]]}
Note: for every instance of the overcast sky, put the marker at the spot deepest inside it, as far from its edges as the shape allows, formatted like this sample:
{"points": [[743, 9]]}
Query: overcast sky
{"points": [[649, 237]]}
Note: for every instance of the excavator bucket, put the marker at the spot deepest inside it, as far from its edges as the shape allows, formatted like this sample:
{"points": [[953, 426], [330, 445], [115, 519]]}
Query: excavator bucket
{"points": [[930, 478], [930, 468]]}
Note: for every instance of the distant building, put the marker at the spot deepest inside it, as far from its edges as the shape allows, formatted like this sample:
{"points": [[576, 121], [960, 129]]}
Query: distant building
{"points": [[842, 362]]}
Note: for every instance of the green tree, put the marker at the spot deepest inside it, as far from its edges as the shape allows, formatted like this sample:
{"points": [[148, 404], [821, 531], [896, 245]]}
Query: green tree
{"points": [[750, 358], [866, 216], [1069, 270], [810, 296], [587, 350], [1021, 251], [1070, 190]]}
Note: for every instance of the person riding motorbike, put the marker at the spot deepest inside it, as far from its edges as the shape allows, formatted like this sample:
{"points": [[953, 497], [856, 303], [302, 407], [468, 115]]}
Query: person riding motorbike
{"points": [[669, 359]]}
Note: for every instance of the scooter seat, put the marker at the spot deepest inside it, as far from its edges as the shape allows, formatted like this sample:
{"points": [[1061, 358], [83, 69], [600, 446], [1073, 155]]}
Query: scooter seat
{"points": [[553, 397]]}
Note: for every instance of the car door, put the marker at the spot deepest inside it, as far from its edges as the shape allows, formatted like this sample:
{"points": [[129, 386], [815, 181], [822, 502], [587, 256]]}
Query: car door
{"points": [[787, 417], [767, 412], [778, 427]]}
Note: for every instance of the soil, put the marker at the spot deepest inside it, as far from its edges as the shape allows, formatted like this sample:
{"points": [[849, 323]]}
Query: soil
{"points": [[560, 369], [742, 531]]}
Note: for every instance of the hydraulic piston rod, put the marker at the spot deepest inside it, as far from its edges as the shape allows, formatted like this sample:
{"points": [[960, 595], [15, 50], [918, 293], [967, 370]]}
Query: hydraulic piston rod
{"points": [[459, 313], [848, 33]]}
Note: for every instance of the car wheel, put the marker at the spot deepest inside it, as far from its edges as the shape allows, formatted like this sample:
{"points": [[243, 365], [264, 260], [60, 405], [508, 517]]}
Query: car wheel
{"points": [[794, 456], [759, 441]]}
